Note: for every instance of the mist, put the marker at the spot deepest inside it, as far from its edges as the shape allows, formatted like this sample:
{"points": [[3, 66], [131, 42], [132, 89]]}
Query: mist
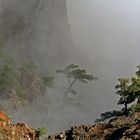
{"points": [[39, 31], [100, 36], [108, 33]]}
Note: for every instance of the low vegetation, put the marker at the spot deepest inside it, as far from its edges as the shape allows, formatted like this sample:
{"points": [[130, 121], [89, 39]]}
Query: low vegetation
{"points": [[20, 84]]}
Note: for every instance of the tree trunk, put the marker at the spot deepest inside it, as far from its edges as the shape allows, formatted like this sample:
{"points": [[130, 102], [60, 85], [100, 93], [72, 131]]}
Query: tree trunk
{"points": [[125, 109], [138, 102]]}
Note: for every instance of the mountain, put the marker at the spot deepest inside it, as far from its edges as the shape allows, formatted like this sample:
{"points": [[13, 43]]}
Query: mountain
{"points": [[36, 30]]}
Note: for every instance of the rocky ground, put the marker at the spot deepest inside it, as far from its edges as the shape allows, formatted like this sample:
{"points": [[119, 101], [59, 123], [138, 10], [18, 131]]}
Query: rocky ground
{"points": [[121, 128], [19, 131]]}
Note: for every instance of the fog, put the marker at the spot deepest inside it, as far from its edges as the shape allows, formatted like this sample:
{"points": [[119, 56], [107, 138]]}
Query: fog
{"points": [[100, 36], [108, 33]]}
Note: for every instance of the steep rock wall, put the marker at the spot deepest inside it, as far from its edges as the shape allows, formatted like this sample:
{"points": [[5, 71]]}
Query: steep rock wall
{"points": [[36, 30]]}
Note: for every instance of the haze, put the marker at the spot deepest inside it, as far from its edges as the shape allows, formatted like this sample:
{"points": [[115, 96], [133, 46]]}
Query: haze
{"points": [[108, 33], [105, 41]]}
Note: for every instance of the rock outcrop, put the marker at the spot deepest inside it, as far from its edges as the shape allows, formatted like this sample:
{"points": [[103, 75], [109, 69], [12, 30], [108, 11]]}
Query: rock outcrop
{"points": [[19, 131], [36, 30], [121, 128]]}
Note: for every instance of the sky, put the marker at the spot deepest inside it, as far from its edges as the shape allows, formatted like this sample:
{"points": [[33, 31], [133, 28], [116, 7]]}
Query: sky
{"points": [[108, 33]]}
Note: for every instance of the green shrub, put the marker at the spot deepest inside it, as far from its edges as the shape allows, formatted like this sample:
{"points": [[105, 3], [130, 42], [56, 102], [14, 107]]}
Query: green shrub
{"points": [[41, 131]]}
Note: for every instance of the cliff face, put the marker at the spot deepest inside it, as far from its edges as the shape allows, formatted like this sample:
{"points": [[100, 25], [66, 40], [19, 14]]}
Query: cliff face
{"points": [[36, 30]]}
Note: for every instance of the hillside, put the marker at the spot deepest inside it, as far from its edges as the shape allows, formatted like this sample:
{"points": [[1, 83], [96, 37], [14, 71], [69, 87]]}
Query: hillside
{"points": [[121, 128], [19, 131]]}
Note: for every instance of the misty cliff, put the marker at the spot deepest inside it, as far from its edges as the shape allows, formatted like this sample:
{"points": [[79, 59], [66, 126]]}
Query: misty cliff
{"points": [[36, 30], [39, 31]]}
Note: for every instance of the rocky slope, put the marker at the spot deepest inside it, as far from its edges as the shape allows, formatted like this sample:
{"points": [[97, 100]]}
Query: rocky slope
{"points": [[19, 131], [121, 128]]}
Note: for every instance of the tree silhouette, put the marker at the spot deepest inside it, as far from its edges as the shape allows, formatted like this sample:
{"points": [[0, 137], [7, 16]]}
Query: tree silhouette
{"points": [[74, 74], [135, 85], [129, 92], [123, 90]]}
